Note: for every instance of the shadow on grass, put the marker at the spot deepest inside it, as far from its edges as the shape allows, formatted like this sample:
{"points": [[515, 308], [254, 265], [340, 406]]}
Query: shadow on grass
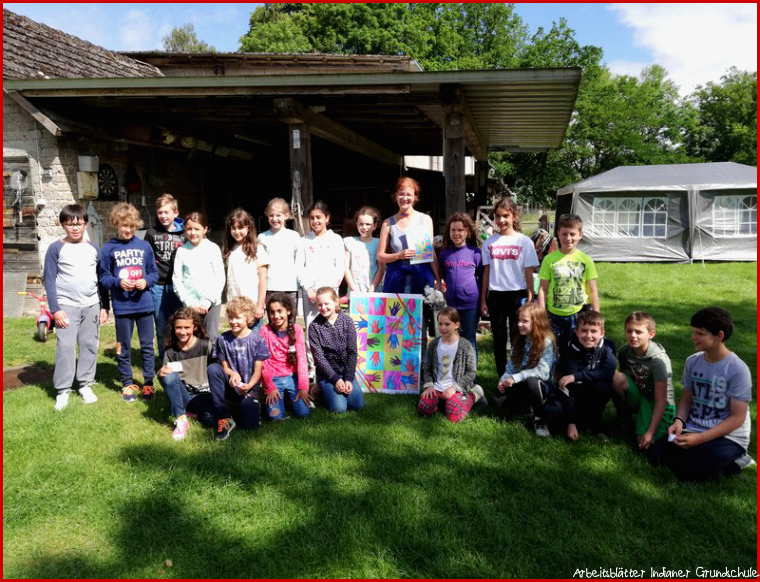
{"points": [[471, 508]]}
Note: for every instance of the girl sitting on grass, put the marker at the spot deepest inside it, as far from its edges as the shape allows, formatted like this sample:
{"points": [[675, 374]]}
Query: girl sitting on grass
{"points": [[527, 379], [286, 372], [448, 371], [183, 374], [332, 337]]}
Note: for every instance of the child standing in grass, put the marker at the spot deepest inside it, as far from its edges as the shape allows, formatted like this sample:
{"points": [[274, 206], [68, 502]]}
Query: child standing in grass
{"points": [[527, 379], [332, 337], [448, 371], [78, 303], [285, 372], [282, 245], [508, 259], [247, 261], [461, 265], [710, 434], [320, 262], [644, 384], [128, 270], [165, 239], [184, 373], [362, 272], [241, 353], [199, 273], [568, 280]]}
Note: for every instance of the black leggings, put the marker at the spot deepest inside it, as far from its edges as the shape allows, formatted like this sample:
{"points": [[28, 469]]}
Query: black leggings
{"points": [[530, 392], [502, 312]]}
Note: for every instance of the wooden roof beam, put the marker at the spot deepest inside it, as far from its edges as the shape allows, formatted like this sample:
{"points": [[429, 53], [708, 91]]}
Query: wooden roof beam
{"points": [[45, 121], [291, 111], [454, 101]]}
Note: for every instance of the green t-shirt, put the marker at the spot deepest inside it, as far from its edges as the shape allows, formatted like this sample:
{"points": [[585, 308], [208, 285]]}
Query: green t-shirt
{"points": [[653, 366], [567, 276]]}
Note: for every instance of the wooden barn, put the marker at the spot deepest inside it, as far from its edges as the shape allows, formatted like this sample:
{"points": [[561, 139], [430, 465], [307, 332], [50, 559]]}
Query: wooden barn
{"points": [[87, 125]]}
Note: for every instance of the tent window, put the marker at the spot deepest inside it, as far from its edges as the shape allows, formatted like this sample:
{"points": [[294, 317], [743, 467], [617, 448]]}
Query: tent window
{"points": [[630, 217], [735, 216]]}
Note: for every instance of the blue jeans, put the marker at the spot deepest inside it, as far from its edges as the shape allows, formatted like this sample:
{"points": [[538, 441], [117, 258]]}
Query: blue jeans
{"points": [[125, 325], [337, 401], [181, 401], [287, 385], [470, 319], [221, 391], [165, 303], [563, 327]]}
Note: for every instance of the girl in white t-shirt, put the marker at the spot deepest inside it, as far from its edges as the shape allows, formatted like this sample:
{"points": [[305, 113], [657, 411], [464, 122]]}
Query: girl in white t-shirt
{"points": [[448, 371], [247, 262], [281, 244], [362, 270], [508, 261]]}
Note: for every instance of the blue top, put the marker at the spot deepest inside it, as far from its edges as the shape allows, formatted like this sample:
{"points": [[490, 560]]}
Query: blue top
{"points": [[462, 271], [128, 259], [241, 353]]}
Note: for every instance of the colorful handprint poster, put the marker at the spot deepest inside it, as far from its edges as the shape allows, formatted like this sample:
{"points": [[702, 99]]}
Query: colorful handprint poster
{"points": [[420, 240], [389, 341]]}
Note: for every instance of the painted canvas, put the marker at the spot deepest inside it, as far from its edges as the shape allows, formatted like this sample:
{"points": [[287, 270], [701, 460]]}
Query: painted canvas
{"points": [[389, 339]]}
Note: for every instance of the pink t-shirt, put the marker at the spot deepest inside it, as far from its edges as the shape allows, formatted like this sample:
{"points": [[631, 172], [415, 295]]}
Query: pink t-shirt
{"points": [[277, 365]]}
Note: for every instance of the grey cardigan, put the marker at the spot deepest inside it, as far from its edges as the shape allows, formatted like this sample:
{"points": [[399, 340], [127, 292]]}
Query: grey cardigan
{"points": [[464, 371]]}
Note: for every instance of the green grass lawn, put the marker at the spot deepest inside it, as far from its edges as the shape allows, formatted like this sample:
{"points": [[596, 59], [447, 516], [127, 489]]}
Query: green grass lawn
{"points": [[102, 491]]}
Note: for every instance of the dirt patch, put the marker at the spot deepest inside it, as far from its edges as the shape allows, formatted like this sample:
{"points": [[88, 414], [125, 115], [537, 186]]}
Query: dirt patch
{"points": [[21, 376]]}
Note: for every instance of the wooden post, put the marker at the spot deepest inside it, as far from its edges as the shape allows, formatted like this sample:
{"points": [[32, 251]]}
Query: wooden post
{"points": [[481, 184], [302, 189], [453, 149]]}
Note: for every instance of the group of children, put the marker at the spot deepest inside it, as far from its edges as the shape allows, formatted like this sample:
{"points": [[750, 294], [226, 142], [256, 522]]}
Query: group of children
{"points": [[561, 369]]}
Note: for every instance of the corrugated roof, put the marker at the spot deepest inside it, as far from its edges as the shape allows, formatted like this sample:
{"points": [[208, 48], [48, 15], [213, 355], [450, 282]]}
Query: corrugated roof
{"points": [[35, 51]]}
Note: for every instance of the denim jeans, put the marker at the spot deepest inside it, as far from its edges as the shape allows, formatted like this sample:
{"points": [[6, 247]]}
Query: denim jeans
{"points": [[287, 386], [165, 303], [337, 401], [470, 319], [125, 326], [221, 391], [563, 327], [182, 401]]}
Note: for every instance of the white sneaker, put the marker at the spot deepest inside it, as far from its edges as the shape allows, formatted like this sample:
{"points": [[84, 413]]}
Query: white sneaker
{"points": [[87, 395], [541, 429], [61, 401]]}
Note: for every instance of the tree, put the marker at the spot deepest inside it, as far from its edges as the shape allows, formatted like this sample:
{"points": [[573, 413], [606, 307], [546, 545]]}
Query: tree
{"points": [[182, 39], [726, 119]]}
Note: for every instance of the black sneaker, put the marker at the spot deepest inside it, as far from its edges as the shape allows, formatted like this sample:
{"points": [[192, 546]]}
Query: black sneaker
{"points": [[224, 429], [540, 428]]}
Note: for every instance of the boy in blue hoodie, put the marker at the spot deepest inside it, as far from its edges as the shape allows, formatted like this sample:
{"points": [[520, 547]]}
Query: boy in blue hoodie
{"points": [[165, 239], [128, 270]]}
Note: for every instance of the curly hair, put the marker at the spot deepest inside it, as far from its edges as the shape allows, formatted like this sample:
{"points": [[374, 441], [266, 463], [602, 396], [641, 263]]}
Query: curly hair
{"points": [[125, 213], [199, 331], [242, 305], [468, 223]]}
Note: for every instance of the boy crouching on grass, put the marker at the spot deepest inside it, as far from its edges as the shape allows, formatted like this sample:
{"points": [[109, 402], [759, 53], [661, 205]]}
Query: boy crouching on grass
{"points": [[78, 303], [586, 367], [710, 434], [644, 384], [241, 353]]}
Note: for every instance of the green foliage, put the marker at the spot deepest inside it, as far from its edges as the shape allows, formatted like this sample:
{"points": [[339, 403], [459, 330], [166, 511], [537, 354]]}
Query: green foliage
{"points": [[101, 490], [182, 39], [726, 129], [617, 120]]}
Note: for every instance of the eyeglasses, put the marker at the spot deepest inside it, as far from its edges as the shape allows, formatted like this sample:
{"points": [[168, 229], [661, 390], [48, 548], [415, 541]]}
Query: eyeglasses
{"points": [[74, 225]]}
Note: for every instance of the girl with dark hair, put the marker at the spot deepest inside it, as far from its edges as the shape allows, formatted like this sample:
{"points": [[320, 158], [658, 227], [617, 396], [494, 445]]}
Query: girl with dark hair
{"points": [[508, 258], [247, 261], [183, 374], [199, 273], [286, 370], [320, 262], [461, 266]]}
